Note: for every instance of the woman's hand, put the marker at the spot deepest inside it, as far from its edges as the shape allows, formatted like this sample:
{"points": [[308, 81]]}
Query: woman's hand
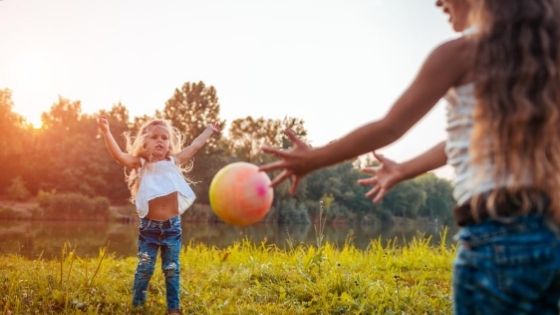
{"points": [[384, 177], [294, 163]]}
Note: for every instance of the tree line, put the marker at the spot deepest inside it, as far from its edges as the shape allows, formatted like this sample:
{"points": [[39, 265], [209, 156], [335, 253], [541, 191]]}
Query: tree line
{"points": [[67, 155]]}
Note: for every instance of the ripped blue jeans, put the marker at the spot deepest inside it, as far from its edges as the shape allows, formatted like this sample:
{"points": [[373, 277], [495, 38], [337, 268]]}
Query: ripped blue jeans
{"points": [[507, 268], [166, 236]]}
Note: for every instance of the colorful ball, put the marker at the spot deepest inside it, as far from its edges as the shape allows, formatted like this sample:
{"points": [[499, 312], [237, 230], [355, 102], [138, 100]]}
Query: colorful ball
{"points": [[240, 194]]}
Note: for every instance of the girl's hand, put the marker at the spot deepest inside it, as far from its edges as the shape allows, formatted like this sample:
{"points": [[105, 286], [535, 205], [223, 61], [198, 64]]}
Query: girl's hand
{"points": [[103, 123], [215, 127], [383, 178]]}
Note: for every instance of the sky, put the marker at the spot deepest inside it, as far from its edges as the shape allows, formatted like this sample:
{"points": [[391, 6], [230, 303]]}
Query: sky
{"points": [[337, 64]]}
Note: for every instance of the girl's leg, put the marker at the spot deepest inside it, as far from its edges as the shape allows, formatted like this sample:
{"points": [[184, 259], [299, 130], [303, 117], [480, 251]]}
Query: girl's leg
{"points": [[147, 254], [170, 250], [507, 268]]}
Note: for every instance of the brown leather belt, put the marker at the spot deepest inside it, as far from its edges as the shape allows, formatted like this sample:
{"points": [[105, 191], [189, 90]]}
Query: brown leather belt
{"points": [[506, 205]]}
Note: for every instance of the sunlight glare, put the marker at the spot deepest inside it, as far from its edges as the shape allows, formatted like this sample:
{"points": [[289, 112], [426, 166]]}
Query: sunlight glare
{"points": [[33, 74]]}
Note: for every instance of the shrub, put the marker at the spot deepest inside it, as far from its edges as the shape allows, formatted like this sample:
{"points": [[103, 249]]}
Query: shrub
{"points": [[17, 190], [71, 206], [11, 214], [291, 211]]}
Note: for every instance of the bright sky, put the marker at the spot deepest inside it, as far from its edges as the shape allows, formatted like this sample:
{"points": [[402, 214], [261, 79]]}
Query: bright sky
{"points": [[335, 63]]}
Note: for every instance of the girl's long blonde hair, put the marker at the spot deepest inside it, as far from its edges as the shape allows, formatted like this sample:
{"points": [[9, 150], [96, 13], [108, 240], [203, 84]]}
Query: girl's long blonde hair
{"points": [[517, 116], [135, 146]]}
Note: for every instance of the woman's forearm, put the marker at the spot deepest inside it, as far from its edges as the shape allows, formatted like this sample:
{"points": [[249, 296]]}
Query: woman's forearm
{"points": [[433, 158]]}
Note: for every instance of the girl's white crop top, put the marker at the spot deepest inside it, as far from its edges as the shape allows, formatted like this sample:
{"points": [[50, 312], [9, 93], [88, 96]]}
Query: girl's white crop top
{"points": [[159, 179]]}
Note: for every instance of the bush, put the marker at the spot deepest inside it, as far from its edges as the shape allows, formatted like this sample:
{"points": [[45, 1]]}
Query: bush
{"points": [[291, 211], [72, 206], [11, 214], [17, 190]]}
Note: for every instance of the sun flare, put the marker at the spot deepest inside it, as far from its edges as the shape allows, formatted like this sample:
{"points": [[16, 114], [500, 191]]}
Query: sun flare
{"points": [[31, 73]]}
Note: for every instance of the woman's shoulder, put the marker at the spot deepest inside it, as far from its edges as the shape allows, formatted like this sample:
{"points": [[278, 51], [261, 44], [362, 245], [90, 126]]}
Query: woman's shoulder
{"points": [[460, 49], [455, 57]]}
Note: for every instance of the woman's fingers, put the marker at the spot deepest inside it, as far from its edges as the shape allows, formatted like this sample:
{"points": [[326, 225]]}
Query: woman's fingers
{"points": [[295, 183], [368, 181], [379, 195], [376, 194], [272, 166], [379, 157], [294, 138], [369, 170], [280, 178], [382, 159], [372, 192], [277, 152]]}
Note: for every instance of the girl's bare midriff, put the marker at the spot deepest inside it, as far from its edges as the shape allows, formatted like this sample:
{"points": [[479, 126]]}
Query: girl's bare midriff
{"points": [[163, 208]]}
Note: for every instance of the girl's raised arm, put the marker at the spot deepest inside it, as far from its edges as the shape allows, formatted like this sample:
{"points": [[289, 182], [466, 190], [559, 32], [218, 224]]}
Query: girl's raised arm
{"points": [[197, 144], [121, 157]]}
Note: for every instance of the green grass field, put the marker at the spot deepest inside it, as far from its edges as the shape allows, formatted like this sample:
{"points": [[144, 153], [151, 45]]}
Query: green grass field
{"points": [[242, 279]]}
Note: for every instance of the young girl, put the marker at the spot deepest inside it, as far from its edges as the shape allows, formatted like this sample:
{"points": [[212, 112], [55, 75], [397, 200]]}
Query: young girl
{"points": [[161, 195], [503, 85]]}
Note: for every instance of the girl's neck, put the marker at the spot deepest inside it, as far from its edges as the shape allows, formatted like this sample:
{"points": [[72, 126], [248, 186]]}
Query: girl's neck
{"points": [[153, 158]]}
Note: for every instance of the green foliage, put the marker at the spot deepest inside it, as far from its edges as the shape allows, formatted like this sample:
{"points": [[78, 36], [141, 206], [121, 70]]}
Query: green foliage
{"points": [[72, 206], [345, 197], [191, 108], [248, 135], [292, 212], [439, 198], [17, 190], [15, 140], [242, 279], [68, 155], [405, 199]]}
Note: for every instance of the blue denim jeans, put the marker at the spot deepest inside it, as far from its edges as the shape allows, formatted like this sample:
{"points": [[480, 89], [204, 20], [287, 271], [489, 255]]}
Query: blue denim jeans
{"points": [[507, 268], [166, 236]]}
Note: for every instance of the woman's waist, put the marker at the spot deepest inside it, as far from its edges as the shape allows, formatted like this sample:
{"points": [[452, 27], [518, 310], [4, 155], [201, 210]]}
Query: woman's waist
{"points": [[501, 206]]}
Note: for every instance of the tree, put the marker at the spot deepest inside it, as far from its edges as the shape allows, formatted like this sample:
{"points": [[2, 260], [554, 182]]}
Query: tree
{"points": [[12, 126], [248, 135], [405, 199], [110, 180], [63, 151], [191, 108], [439, 198], [15, 139]]}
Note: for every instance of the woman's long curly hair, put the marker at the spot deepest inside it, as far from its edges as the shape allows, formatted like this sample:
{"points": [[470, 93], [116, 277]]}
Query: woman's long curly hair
{"points": [[517, 116], [135, 146]]}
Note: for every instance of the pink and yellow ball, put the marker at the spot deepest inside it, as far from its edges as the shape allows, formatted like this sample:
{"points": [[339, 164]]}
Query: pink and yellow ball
{"points": [[240, 194]]}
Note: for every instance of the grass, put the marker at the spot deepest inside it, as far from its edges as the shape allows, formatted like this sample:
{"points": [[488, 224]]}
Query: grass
{"points": [[244, 278]]}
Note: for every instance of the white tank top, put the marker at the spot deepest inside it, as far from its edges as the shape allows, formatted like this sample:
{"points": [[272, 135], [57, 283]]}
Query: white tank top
{"points": [[159, 179], [470, 179]]}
